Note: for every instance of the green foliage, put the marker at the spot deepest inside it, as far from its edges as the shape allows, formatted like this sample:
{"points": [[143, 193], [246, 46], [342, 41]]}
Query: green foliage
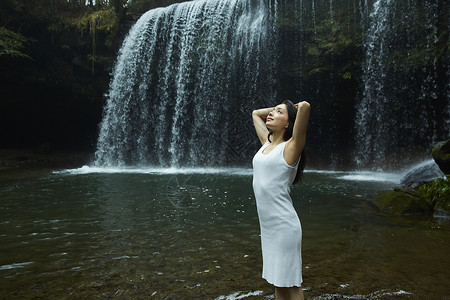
{"points": [[332, 46], [331, 38], [422, 54], [327, 42], [436, 191], [138, 7], [12, 43], [105, 19]]}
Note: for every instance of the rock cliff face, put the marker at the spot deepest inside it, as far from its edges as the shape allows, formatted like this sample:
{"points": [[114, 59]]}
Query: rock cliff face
{"points": [[53, 82]]}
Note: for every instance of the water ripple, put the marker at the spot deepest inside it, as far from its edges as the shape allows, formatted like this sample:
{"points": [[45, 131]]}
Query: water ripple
{"points": [[15, 265]]}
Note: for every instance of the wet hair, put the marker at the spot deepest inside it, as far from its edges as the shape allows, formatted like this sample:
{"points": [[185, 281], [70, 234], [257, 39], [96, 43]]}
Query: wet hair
{"points": [[292, 114]]}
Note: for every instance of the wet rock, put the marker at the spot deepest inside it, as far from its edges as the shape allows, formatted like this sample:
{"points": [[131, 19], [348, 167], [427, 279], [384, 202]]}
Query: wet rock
{"points": [[425, 173], [402, 202], [441, 155], [442, 208]]}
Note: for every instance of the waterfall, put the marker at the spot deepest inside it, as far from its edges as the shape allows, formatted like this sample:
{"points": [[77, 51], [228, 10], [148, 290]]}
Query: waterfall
{"points": [[331, 12], [370, 127], [188, 76], [364, 11], [399, 108], [186, 80]]}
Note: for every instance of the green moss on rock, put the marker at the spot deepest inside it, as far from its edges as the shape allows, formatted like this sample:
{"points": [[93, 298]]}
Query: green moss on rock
{"points": [[400, 202], [428, 198]]}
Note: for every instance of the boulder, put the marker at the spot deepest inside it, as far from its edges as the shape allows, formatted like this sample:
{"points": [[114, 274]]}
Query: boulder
{"points": [[441, 155], [442, 208], [423, 173], [401, 202]]}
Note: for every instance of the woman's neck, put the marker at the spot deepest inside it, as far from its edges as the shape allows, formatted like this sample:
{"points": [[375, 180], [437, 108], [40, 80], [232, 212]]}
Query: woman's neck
{"points": [[277, 138]]}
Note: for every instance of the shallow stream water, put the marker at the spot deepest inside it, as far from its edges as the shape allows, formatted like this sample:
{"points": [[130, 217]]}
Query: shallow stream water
{"points": [[194, 234]]}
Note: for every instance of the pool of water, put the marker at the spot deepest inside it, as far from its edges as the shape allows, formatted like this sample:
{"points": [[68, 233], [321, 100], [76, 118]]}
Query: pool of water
{"points": [[194, 234]]}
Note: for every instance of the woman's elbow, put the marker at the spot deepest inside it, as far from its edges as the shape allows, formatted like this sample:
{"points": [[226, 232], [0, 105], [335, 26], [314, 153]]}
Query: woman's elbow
{"points": [[305, 104], [304, 107], [256, 114]]}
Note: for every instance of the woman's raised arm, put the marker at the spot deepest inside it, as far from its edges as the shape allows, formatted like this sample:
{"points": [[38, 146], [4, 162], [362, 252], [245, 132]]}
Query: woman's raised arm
{"points": [[258, 117], [294, 146]]}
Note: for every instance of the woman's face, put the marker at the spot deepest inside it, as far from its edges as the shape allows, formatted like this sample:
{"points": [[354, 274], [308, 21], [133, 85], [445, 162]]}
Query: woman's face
{"points": [[278, 118]]}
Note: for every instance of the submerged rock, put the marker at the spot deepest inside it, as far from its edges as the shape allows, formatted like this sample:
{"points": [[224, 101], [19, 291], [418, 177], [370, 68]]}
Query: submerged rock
{"points": [[427, 172], [402, 202], [441, 155]]}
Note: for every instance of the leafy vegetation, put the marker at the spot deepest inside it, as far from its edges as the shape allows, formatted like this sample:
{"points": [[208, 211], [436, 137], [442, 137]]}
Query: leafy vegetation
{"points": [[13, 43], [437, 191]]}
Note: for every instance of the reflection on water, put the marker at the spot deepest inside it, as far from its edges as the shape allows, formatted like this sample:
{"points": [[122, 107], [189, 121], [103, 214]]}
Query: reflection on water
{"points": [[194, 234]]}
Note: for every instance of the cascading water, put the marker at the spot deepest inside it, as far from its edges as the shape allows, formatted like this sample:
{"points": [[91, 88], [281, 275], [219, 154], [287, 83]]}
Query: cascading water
{"points": [[185, 82], [188, 76], [364, 10], [399, 108], [369, 114]]}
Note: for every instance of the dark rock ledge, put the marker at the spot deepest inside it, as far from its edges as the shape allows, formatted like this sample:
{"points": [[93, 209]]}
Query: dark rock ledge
{"points": [[20, 158]]}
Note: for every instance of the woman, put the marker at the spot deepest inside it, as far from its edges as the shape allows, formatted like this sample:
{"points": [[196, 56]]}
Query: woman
{"points": [[276, 166]]}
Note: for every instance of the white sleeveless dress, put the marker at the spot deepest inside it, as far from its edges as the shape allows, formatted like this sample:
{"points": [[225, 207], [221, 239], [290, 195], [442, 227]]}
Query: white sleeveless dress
{"points": [[281, 231]]}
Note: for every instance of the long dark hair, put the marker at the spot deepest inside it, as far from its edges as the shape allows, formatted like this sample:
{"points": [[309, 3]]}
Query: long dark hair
{"points": [[292, 114]]}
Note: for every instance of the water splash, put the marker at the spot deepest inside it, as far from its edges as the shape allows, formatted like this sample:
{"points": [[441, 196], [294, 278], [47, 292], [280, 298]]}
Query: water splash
{"points": [[375, 295], [186, 72], [239, 295], [155, 170]]}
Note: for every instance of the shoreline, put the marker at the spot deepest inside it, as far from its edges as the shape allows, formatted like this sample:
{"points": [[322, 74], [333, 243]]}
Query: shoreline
{"points": [[16, 158]]}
